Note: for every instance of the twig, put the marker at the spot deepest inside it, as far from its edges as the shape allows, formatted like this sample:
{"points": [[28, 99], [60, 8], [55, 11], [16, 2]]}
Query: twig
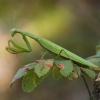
{"points": [[86, 86]]}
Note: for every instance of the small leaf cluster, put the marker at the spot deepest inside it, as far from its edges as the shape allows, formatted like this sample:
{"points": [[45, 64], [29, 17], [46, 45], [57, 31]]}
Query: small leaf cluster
{"points": [[34, 73]]}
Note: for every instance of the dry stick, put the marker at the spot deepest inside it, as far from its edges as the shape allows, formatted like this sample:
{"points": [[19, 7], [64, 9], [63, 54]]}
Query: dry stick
{"points": [[96, 88]]}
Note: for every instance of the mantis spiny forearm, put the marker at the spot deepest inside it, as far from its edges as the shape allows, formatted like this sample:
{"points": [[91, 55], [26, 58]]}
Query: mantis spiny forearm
{"points": [[48, 45]]}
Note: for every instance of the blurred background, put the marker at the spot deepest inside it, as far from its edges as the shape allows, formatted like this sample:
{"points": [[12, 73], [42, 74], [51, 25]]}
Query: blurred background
{"points": [[72, 24]]}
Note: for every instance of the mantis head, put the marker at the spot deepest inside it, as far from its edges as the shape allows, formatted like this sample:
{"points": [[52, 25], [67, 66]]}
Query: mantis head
{"points": [[13, 32]]}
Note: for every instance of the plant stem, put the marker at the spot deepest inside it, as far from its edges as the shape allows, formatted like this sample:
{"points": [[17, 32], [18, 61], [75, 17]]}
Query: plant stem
{"points": [[86, 86]]}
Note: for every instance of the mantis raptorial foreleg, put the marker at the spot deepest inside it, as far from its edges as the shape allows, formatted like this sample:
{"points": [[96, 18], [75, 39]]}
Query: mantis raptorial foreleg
{"points": [[18, 48]]}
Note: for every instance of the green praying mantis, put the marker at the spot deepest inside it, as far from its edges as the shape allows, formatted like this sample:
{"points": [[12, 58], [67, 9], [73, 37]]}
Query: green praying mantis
{"points": [[47, 46]]}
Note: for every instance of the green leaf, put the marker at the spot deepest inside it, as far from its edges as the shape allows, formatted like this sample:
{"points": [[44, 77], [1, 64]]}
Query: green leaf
{"points": [[41, 69], [77, 69], [26, 68], [56, 72], [31, 80], [22, 71], [71, 76], [88, 72], [66, 67]]}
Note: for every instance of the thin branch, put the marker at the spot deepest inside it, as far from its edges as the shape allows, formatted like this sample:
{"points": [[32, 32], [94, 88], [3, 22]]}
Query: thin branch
{"points": [[86, 86]]}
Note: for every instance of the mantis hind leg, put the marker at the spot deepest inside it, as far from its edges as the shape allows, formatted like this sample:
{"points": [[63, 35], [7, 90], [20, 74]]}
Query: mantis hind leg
{"points": [[68, 57], [18, 48], [61, 52]]}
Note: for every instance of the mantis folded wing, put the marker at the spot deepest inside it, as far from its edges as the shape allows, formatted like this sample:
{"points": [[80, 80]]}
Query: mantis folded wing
{"points": [[48, 45]]}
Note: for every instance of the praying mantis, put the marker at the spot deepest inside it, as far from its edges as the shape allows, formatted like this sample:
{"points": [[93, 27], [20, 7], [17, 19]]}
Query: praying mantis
{"points": [[47, 46]]}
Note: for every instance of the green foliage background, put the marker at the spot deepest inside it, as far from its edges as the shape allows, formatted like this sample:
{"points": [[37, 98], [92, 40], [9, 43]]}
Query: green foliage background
{"points": [[72, 24]]}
